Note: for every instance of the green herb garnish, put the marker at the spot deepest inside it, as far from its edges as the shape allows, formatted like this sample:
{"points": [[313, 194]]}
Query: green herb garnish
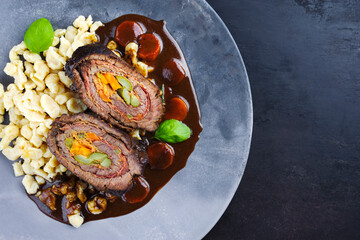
{"points": [[39, 36], [162, 93], [172, 131]]}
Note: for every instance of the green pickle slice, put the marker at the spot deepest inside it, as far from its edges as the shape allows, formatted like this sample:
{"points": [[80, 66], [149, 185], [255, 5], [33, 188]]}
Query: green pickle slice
{"points": [[124, 93], [69, 142], [82, 159], [134, 101], [97, 156], [106, 162], [124, 82], [94, 158]]}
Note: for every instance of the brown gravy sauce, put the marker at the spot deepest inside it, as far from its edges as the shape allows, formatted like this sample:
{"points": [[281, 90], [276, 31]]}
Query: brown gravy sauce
{"points": [[153, 179]]}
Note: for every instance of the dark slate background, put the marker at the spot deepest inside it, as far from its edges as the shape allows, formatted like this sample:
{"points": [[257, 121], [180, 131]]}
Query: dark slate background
{"points": [[302, 179]]}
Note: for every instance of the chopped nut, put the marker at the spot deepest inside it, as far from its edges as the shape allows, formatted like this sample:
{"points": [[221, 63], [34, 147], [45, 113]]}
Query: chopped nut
{"points": [[131, 52], [142, 68], [111, 45], [60, 189], [71, 196], [72, 207], [80, 187], [49, 198], [63, 188], [97, 205]]}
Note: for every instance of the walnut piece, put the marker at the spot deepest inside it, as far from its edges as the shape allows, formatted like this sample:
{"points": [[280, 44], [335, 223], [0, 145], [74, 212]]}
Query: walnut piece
{"points": [[97, 205], [80, 187], [64, 187], [111, 45], [71, 196], [49, 198], [72, 208]]}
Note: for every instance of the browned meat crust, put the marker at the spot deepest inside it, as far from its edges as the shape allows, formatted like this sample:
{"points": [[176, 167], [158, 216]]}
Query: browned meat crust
{"points": [[127, 161], [82, 68]]}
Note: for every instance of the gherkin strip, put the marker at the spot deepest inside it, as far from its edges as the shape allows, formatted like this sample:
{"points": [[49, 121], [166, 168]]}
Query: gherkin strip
{"points": [[134, 101], [106, 162], [69, 142], [97, 156], [82, 159], [124, 82], [124, 93]]}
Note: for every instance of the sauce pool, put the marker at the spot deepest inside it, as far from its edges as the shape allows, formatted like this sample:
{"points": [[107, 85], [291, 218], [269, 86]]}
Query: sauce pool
{"points": [[172, 75]]}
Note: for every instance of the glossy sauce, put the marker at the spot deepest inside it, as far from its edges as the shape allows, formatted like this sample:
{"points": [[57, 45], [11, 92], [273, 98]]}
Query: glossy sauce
{"points": [[171, 72], [139, 192]]}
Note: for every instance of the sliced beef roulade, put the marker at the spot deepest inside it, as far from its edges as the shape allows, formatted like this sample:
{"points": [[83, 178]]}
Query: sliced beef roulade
{"points": [[113, 89], [101, 155]]}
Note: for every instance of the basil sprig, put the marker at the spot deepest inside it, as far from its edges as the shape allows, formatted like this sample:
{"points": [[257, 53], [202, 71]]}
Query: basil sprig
{"points": [[39, 36], [172, 131]]}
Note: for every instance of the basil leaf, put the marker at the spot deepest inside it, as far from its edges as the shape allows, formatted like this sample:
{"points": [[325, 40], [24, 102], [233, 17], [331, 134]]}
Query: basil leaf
{"points": [[39, 35], [172, 131]]}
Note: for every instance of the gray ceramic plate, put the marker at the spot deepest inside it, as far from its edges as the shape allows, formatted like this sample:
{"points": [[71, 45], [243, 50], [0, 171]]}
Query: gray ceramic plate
{"points": [[193, 201]]}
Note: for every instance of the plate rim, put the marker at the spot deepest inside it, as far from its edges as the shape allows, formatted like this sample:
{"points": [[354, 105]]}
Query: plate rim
{"points": [[249, 120]]}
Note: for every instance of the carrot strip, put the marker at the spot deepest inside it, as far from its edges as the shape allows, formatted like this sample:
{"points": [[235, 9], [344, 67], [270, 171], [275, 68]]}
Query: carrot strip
{"points": [[78, 149], [110, 79]]}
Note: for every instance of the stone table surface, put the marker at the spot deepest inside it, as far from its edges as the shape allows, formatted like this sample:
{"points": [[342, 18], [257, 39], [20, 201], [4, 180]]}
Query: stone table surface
{"points": [[302, 179]]}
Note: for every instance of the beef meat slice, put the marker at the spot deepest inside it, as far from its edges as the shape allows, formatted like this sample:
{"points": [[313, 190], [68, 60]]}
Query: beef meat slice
{"points": [[83, 69], [127, 158]]}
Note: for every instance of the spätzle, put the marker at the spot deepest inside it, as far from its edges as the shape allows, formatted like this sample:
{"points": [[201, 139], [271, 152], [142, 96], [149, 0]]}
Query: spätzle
{"points": [[39, 94]]}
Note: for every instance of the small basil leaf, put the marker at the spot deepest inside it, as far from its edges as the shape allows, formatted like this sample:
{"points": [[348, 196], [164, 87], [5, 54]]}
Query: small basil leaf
{"points": [[39, 35], [172, 131]]}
